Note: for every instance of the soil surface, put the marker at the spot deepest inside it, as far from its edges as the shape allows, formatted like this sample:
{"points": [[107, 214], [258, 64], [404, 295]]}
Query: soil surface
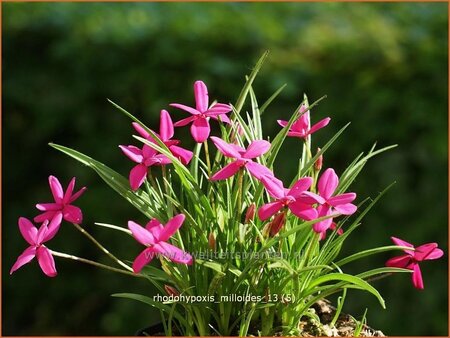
{"points": [[345, 325]]}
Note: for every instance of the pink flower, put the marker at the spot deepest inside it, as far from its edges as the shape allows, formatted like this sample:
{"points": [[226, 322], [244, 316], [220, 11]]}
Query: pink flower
{"points": [[62, 205], [166, 132], [412, 258], [297, 199], [243, 158], [329, 204], [333, 226], [154, 236], [147, 156], [200, 128], [301, 128], [37, 249]]}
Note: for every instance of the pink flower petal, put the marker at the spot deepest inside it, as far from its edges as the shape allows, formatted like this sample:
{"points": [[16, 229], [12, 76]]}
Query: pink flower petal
{"points": [[399, 262], [303, 211], [269, 209], [28, 230], [173, 253], [323, 210], [154, 223], [238, 148], [77, 194], [223, 118], [53, 227], [400, 242], [141, 131], [48, 206], [417, 277], [227, 171], [328, 183], [46, 261], [225, 148], [69, 191], [218, 109], [159, 159], [342, 199], [141, 234], [308, 197], [257, 148], [319, 125], [300, 186], [56, 189], [257, 170], [137, 176], [428, 252], [165, 126], [24, 258], [301, 125], [155, 228], [283, 123], [188, 109], [181, 154], [184, 122], [322, 225], [133, 153], [45, 216], [72, 214], [273, 186], [201, 96], [297, 134], [41, 233], [200, 130], [148, 151], [346, 209], [143, 259], [171, 227]]}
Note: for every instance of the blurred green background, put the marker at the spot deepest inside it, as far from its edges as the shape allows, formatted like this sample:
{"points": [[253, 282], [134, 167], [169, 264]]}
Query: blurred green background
{"points": [[382, 65]]}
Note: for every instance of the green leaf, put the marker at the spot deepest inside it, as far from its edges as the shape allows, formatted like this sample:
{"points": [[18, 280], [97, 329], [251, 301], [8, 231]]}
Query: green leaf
{"points": [[211, 265], [322, 151], [380, 271], [120, 184], [270, 99], [256, 116], [369, 252], [349, 279], [242, 96], [147, 300]]}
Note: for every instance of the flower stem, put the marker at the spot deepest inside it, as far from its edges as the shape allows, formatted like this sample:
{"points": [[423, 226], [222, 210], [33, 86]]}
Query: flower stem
{"points": [[239, 196], [99, 265], [208, 162], [152, 179], [166, 188], [101, 247]]}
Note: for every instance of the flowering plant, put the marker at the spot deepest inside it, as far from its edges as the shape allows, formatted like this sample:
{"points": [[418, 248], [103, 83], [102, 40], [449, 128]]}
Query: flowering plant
{"points": [[231, 248]]}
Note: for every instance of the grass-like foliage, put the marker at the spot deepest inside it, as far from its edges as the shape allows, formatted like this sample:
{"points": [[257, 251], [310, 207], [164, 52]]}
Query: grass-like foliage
{"points": [[231, 249]]}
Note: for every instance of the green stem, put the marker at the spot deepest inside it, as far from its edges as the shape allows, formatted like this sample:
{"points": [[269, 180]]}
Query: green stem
{"points": [[101, 247], [239, 195], [166, 188], [152, 180], [99, 265], [208, 162]]}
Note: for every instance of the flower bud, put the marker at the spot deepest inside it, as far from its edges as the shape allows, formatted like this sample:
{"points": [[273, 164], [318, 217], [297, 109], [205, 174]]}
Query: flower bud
{"points": [[319, 162], [250, 214], [171, 291], [212, 241], [277, 223]]}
